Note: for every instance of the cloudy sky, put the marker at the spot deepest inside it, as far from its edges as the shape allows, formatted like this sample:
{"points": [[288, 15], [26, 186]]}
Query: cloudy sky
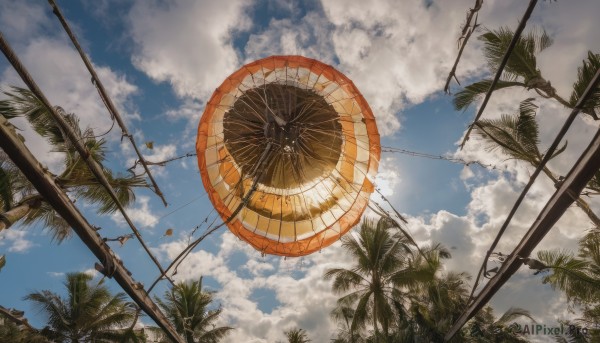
{"points": [[161, 61]]}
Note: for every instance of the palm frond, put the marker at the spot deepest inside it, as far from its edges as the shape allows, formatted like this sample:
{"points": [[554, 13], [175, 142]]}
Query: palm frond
{"points": [[585, 73], [511, 314], [594, 183], [186, 306], [522, 61], [475, 91], [50, 220], [6, 190], [516, 135], [570, 274], [22, 102], [343, 279], [20, 187]]}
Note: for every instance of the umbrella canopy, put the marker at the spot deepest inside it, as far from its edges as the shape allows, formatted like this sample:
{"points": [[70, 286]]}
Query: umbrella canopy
{"points": [[288, 149]]}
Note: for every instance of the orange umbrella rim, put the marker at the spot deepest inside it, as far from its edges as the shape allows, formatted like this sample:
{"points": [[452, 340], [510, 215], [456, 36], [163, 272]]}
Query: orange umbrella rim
{"points": [[349, 219]]}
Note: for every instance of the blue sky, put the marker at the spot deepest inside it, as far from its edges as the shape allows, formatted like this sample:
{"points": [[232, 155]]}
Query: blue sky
{"points": [[161, 60]]}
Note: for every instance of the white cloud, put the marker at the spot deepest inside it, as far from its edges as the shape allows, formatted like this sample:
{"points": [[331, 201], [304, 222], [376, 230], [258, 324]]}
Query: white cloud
{"points": [[187, 43], [56, 274], [388, 178], [191, 110], [396, 52], [91, 272], [16, 240], [304, 298], [61, 75], [307, 36], [160, 153], [22, 19], [65, 81], [140, 214]]}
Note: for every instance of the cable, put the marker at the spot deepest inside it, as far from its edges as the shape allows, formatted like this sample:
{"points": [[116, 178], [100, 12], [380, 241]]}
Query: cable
{"points": [[257, 173], [435, 157]]}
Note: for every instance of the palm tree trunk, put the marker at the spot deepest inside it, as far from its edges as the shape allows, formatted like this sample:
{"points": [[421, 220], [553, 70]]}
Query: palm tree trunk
{"points": [[582, 204], [8, 218], [375, 319]]}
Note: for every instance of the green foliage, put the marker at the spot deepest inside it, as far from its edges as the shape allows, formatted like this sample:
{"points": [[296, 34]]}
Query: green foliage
{"points": [[297, 336], [579, 278], [473, 92], [75, 177], [393, 287], [522, 63], [6, 192], [187, 306], [521, 68], [387, 273], [57, 227], [13, 333], [87, 313], [516, 135], [594, 183], [585, 73], [2, 262], [485, 328]]}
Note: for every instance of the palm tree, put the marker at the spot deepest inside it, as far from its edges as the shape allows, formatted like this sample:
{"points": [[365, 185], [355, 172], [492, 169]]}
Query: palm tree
{"points": [[484, 327], [187, 307], [20, 201], [436, 306], [89, 313], [15, 333], [343, 316], [579, 278], [297, 336], [385, 265], [522, 71], [518, 137]]}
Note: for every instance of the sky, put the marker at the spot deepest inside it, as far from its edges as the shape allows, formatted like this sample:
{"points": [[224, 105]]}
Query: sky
{"points": [[161, 60]]}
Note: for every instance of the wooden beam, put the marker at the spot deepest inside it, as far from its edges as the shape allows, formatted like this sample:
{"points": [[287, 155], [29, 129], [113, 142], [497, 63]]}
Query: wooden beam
{"points": [[575, 181], [94, 166], [43, 181]]}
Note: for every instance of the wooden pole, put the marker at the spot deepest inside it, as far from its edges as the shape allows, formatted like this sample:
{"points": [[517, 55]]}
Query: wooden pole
{"points": [[106, 99], [94, 166], [58, 199], [561, 200], [500, 70]]}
